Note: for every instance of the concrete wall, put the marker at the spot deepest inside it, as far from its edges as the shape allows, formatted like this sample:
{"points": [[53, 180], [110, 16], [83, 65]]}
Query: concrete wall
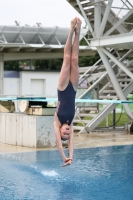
{"points": [[21, 129], [29, 131]]}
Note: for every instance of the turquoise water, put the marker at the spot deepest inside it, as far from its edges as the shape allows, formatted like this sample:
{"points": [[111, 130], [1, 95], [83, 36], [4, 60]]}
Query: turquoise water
{"points": [[104, 173]]}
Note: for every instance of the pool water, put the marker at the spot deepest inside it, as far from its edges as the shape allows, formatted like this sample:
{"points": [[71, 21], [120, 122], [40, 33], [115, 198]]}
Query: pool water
{"points": [[104, 173]]}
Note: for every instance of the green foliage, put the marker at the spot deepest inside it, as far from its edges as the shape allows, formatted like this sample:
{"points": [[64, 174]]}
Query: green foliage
{"points": [[52, 64], [44, 65], [88, 60], [83, 42], [38, 24], [17, 23], [12, 65], [129, 19], [121, 120]]}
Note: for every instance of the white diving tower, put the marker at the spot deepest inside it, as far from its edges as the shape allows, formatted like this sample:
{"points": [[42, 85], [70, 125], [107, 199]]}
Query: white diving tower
{"points": [[110, 25]]}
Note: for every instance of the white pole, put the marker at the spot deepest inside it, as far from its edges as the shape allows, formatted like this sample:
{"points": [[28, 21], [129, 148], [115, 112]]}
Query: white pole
{"points": [[97, 15], [1, 73]]}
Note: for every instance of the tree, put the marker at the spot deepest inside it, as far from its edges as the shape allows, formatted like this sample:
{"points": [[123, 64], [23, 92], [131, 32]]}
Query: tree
{"points": [[17, 23], [52, 64], [38, 24], [11, 65]]}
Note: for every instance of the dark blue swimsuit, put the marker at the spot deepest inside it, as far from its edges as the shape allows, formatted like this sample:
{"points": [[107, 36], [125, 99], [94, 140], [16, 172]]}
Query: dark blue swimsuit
{"points": [[66, 104]]}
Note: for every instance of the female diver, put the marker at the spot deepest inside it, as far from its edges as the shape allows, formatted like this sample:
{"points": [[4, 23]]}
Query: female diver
{"points": [[67, 86]]}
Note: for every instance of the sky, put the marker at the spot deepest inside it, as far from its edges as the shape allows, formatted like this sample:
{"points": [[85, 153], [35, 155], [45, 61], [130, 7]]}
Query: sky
{"points": [[49, 13]]}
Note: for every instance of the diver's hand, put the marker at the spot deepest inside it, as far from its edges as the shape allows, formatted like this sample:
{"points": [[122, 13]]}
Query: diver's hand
{"points": [[66, 159], [67, 162]]}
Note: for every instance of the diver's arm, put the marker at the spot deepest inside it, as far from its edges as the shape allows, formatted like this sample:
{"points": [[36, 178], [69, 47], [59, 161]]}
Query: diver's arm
{"points": [[59, 143], [70, 146], [70, 142], [58, 139]]}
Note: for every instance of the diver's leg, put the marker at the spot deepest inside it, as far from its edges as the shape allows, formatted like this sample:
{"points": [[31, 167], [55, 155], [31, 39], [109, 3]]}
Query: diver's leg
{"points": [[74, 71], [65, 70]]}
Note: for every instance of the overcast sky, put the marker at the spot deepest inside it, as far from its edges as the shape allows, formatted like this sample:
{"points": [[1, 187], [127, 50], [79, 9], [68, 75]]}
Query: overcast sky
{"points": [[47, 12]]}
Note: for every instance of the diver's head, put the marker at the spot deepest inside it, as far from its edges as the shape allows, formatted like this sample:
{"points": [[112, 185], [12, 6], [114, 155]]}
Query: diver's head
{"points": [[65, 132]]}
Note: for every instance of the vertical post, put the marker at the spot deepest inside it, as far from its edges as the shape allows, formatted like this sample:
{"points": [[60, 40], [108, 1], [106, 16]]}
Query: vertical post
{"points": [[107, 124], [1, 73], [114, 118], [30, 64], [98, 97], [97, 21]]}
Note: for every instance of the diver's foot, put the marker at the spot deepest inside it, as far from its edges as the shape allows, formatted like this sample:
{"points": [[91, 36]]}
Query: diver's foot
{"points": [[78, 26], [73, 24]]}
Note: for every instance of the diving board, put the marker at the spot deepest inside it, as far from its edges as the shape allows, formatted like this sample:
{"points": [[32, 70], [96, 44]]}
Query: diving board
{"points": [[76, 100]]}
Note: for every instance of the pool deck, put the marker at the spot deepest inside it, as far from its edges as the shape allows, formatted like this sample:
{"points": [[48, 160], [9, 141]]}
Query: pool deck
{"points": [[96, 139]]}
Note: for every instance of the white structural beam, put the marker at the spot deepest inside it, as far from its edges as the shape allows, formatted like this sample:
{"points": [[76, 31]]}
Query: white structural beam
{"points": [[1, 48], [27, 56], [18, 34], [52, 36], [126, 70], [91, 68], [103, 76], [112, 19], [3, 39], [105, 17], [30, 35], [122, 41], [30, 49], [114, 81], [33, 38], [42, 55], [15, 49], [118, 23], [1, 73], [86, 18], [57, 40], [97, 16]]}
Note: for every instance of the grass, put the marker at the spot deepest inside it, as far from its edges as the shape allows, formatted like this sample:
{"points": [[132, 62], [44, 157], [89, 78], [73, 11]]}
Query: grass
{"points": [[122, 119], [130, 105], [120, 107]]}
